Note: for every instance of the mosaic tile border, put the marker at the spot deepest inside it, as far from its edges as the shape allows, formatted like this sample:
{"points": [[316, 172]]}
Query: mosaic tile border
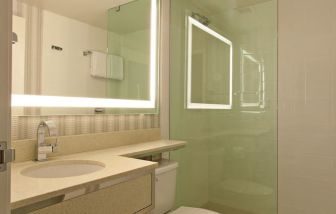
{"points": [[24, 127]]}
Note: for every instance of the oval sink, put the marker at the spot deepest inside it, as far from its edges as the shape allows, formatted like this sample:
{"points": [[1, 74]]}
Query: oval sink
{"points": [[62, 169]]}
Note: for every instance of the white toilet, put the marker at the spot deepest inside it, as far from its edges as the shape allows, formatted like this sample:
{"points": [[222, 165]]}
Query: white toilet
{"points": [[165, 189]]}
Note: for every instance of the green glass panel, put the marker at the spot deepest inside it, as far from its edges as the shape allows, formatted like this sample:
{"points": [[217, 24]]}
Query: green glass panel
{"points": [[129, 36], [129, 40], [230, 162], [210, 69]]}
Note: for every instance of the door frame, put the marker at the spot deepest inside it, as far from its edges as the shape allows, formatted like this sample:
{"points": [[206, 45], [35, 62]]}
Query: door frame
{"points": [[5, 95], [164, 68]]}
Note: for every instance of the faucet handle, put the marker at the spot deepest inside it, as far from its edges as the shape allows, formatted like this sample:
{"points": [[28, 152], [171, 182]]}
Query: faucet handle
{"points": [[45, 149]]}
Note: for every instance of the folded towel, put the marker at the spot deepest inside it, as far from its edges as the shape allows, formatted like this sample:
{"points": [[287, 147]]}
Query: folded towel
{"points": [[98, 64], [107, 66]]}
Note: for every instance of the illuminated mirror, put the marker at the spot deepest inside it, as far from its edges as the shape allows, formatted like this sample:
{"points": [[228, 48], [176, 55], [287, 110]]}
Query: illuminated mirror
{"points": [[209, 70], [100, 56]]}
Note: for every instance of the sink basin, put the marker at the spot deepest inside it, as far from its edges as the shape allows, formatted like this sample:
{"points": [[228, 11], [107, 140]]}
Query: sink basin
{"points": [[62, 169]]}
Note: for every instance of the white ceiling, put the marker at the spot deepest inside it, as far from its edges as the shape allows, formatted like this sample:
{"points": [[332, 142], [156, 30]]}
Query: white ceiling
{"points": [[237, 15], [93, 12], [219, 6]]}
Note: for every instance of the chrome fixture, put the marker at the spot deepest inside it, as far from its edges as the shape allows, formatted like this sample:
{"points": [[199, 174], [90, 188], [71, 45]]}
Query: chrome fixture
{"points": [[57, 48], [99, 110], [87, 53], [6, 156], [42, 147], [202, 19]]}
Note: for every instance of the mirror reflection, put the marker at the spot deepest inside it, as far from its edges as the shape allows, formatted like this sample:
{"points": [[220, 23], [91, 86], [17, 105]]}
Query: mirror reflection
{"points": [[210, 59], [101, 50], [129, 51], [252, 81]]}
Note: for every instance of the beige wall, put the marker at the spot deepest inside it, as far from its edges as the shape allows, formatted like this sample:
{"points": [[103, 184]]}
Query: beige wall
{"points": [[307, 101]]}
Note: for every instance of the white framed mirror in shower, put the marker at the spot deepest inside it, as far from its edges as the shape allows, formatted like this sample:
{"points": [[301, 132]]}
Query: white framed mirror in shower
{"points": [[85, 56], [209, 66]]}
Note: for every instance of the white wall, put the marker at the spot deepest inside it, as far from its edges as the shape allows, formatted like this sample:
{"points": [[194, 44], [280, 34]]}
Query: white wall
{"points": [[18, 55], [307, 107], [67, 72], [18, 60]]}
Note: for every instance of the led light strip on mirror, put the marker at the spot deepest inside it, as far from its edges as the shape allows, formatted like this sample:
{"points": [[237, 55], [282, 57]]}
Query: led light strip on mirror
{"points": [[81, 102], [190, 105]]}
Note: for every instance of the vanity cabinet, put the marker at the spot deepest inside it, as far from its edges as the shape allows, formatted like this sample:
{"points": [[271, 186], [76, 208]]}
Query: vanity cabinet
{"points": [[133, 196]]}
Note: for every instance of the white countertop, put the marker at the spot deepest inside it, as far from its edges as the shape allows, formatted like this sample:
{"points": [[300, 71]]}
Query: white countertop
{"points": [[139, 149], [118, 163]]}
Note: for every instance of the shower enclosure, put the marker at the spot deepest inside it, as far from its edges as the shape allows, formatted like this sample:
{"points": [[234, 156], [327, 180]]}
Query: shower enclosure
{"points": [[223, 86]]}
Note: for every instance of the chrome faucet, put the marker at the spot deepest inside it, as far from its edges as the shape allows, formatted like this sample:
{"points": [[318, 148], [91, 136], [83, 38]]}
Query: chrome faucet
{"points": [[42, 147]]}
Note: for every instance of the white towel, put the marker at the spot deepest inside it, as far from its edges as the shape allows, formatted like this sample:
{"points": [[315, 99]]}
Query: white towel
{"points": [[107, 66], [98, 64], [115, 67]]}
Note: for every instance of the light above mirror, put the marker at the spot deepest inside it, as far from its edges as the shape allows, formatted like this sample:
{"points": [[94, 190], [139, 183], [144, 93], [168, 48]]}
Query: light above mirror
{"points": [[63, 100], [78, 102]]}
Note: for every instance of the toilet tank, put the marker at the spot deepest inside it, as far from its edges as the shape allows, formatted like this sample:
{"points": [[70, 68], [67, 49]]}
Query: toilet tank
{"points": [[165, 186]]}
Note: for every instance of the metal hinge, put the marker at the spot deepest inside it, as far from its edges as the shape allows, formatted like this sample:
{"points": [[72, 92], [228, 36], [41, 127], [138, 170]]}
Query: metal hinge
{"points": [[6, 156]]}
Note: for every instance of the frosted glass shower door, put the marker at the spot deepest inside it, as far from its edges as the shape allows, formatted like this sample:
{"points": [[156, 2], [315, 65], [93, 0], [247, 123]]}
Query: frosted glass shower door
{"points": [[223, 101]]}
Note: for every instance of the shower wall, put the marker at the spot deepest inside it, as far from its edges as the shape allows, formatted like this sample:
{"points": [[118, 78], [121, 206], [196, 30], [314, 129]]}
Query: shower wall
{"points": [[230, 163], [307, 113]]}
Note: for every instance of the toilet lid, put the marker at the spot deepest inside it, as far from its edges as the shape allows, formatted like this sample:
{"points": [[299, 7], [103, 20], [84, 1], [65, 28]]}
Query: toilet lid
{"points": [[191, 210]]}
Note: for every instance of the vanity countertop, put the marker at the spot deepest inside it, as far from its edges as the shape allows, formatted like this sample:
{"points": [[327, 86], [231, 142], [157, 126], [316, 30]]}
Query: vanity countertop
{"points": [[119, 163], [140, 149]]}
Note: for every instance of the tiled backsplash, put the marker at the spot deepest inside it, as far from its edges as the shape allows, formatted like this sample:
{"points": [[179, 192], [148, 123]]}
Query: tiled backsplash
{"points": [[25, 150], [24, 127]]}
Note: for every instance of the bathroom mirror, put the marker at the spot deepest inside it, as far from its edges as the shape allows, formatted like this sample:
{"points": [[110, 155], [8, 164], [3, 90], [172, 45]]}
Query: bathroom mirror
{"points": [[101, 55], [209, 70]]}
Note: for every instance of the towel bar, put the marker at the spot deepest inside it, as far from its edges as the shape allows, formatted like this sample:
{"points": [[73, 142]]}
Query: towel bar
{"points": [[86, 53]]}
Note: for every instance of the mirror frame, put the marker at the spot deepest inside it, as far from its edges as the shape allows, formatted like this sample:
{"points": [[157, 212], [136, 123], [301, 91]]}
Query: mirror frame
{"points": [[190, 105], [19, 100]]}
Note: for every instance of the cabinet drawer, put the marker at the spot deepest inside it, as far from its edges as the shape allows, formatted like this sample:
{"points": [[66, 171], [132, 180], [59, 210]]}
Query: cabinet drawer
{"points": [[133, 196]]}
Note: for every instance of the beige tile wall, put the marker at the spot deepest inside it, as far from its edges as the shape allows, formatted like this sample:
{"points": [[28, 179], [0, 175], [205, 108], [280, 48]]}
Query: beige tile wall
{"points": [[26, 127], [307, 107], [25, 150]]}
